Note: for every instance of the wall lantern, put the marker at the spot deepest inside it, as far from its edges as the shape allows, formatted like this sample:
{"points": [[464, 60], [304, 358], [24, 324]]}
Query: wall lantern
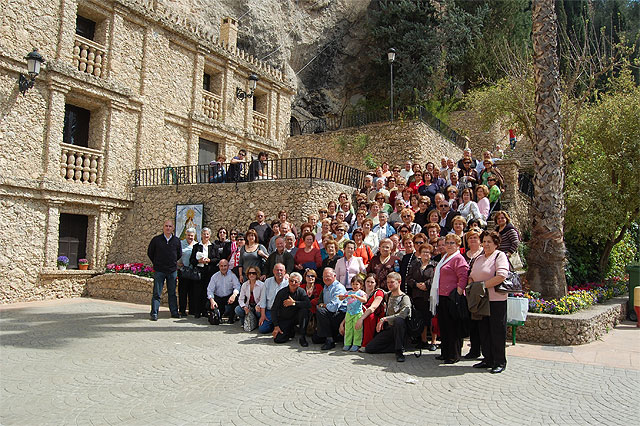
{"points": [[34, 60], [253, 82]]}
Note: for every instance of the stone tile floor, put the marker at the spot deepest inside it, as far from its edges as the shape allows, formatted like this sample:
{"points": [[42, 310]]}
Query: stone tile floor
{"points": [[85, 361]]}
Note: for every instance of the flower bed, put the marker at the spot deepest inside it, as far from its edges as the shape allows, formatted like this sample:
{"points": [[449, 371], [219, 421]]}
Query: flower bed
{"points": [[130, 268], [578, 297]]}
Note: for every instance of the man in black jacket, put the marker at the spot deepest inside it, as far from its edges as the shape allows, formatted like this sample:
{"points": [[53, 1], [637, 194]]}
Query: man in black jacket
{"points": [[164, 251], [290, 307]]}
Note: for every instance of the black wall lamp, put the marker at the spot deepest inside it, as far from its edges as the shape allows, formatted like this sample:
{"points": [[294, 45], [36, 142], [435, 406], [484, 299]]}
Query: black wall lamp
{"points": [[34, 60], [253, 82]]}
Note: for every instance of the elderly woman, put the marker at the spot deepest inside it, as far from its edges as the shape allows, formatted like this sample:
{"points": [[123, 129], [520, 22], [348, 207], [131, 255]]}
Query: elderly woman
{"points": [[484, 206], [370, 238], [474, 249], [467, 174], [282, 216], [419, 284], [509, 237], [429, 188], [312, 287], [407, 216], [222, 245], [252, 254], [250, 293], [468, 208], [383, 263], [332, 208], [381, 200], [309, 256], [186, 287], [452, 197], [349, 265], [203, 256], [450, 278], [395, 218], [333, 254], [457, 227], [492, 267], [362, 251], [490, 170], [421, 215], [360, 216]]}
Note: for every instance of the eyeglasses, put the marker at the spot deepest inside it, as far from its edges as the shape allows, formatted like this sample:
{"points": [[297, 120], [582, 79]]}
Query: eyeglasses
{"points": [[406, 215], [403, 231], [443, 205], [451, 243]]}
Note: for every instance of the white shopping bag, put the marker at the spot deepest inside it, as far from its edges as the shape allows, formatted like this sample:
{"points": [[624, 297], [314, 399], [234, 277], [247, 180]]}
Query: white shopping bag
{"points": [[517, 308]]}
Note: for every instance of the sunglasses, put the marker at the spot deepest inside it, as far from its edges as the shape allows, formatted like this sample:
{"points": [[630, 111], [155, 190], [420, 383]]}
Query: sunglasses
{"points": [[252, 273], [418, 242], [404, 231], [443, 205]]}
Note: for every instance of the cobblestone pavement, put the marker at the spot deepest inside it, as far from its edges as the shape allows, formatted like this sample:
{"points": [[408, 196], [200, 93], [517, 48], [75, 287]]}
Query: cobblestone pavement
{"points": [[98, 362]]}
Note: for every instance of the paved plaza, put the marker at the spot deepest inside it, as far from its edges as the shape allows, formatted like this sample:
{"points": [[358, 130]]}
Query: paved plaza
{"points": [[84, 361]]}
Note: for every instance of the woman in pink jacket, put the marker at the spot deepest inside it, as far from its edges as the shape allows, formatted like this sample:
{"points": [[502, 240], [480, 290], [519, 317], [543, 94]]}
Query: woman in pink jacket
{"points": [[449, 277]]}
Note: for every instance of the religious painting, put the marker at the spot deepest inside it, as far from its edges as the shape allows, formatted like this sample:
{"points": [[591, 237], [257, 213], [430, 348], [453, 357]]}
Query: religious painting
{"points": [[189, 216]]}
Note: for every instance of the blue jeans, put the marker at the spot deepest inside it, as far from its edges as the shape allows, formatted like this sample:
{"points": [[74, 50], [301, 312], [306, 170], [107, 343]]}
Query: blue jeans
{"points": [[267, 325], [158, 283], [240, 312]]}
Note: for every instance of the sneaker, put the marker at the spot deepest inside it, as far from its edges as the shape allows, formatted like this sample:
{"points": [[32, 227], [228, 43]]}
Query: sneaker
{"points": [[354, 348], [431, 347], [346, 348], [153, 317], [362, 349]]}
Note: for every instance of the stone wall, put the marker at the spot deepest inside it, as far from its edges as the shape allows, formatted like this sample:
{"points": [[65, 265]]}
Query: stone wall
{"points": [[575, 329], [481, 139], [124, 288], [225, 205], [391, 142], [55, 284]]}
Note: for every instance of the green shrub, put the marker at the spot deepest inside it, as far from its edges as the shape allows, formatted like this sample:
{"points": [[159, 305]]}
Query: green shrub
{"points": [[622, 254]]}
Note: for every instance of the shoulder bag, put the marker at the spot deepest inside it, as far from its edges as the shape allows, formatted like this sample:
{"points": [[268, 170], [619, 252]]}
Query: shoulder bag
{"points": [[511, 284], [190, 273]]}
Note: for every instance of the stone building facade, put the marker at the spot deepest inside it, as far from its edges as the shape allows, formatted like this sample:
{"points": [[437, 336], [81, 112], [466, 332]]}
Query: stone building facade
{"points": [[127, 84]]}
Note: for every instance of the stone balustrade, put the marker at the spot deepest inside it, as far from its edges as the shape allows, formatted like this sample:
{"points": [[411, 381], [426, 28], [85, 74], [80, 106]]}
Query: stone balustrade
{"points": [[259, 124], [211, 105], [88, 56], [80, 164]]}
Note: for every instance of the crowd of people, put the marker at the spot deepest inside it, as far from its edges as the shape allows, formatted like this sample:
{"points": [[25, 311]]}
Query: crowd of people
{"points": [[401, 261]]}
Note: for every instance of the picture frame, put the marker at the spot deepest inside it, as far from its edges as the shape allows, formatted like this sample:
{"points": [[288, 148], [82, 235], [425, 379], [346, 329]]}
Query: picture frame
{"points": [[189, 216]]}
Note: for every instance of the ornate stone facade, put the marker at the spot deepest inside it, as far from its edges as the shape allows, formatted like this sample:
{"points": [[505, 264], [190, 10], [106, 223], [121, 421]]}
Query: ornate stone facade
{"points": [[153, 84]]}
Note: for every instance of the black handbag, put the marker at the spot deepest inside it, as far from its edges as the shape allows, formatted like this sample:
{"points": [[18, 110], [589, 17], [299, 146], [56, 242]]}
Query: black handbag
{"points": [[190, 273], [511, 284]]}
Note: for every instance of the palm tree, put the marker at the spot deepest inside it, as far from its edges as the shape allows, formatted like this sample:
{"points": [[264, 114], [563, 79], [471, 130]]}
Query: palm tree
{"points": [[546, 258]]}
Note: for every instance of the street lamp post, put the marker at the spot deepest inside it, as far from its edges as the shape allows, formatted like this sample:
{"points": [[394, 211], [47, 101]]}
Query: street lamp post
{"points": [[391, 56]]}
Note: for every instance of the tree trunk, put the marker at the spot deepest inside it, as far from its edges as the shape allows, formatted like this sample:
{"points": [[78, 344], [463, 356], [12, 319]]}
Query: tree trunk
{"points": [[608, 247], [546, 259]]}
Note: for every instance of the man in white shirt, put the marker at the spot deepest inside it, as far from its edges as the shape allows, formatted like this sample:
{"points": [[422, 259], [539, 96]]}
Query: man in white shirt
{"points": [[406, 172], [223, 290], [270, 289]]}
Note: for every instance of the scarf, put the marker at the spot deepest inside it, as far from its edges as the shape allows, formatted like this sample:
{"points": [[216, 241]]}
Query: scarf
{"points": [[435, 284]]}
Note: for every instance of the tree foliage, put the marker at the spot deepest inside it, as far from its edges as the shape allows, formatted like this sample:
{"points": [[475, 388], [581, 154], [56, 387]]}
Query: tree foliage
{"points": [[603, 179]]}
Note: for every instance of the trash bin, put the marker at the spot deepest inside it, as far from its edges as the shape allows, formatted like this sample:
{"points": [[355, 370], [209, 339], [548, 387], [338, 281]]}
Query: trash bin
{"points": [[634, 281]]}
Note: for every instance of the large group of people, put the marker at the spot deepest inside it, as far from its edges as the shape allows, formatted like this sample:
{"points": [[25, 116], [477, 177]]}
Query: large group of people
{"points": [[390, 265]]}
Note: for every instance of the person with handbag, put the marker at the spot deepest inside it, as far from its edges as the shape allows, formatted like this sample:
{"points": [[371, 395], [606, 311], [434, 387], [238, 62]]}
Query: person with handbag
{"points": [[203, 257], [419, 282], [250, 294], [187, 279], [492, 268]]}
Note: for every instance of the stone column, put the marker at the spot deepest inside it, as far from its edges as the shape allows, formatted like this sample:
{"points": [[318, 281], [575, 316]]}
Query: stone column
{"points": [[271, 115], [509, 170], [54, 129], [193, 145], [228, 95], [67, 30], [52, 233], [198, 74], [107, 175], [101, 240]]}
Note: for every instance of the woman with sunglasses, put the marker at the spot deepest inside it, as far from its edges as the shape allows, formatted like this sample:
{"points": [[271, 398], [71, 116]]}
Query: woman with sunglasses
{"points": [[250, 293], [222, 245], [468, 175], [407, 217]]}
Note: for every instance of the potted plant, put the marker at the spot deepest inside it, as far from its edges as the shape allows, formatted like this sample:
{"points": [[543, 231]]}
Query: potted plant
{"points": [[62, 262], [83, 264]]}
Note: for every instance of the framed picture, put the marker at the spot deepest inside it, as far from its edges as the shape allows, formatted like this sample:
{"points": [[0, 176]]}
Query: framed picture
{"points": [[189, 216]]}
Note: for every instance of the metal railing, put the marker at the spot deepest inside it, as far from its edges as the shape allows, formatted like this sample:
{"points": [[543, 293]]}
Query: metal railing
{"points": [[357, 119], [525, 184], [270, 170]]}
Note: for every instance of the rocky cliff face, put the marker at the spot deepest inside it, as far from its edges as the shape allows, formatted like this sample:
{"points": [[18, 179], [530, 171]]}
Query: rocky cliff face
{"points": [[320, 44]]}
